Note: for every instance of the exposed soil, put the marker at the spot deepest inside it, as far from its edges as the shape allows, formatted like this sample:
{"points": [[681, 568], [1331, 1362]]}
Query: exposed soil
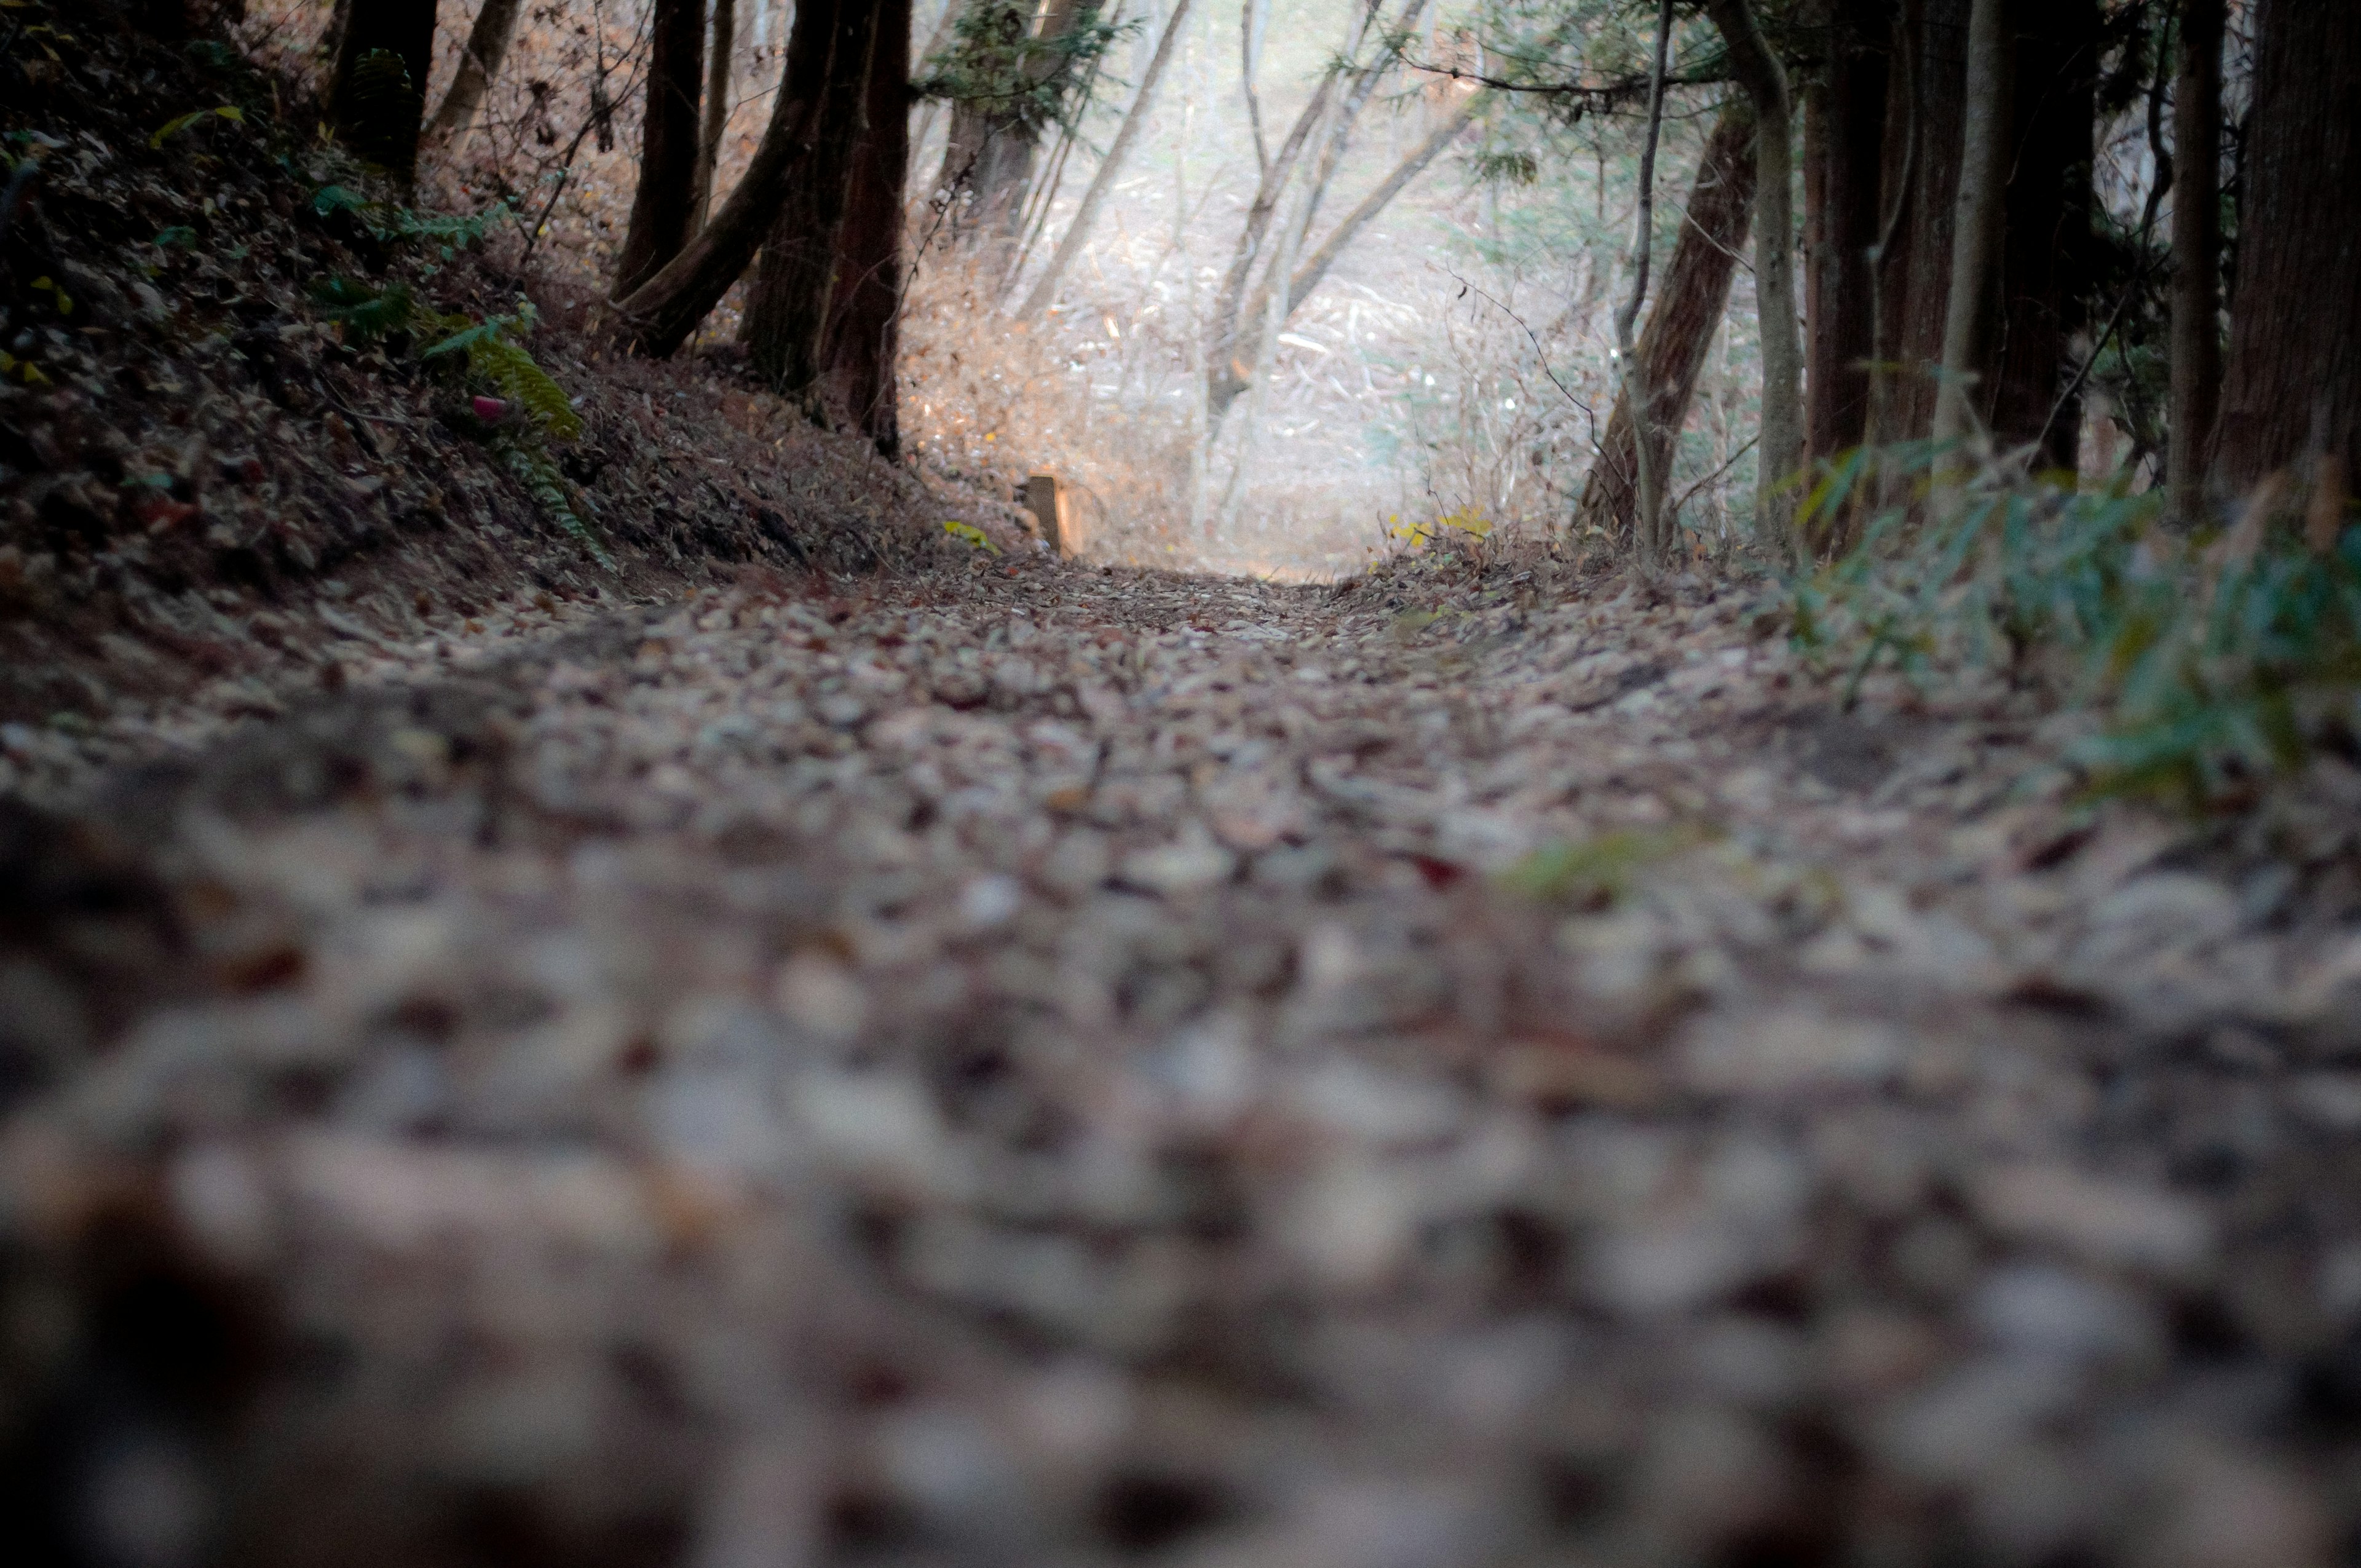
{"points": [[1058, 1065]]}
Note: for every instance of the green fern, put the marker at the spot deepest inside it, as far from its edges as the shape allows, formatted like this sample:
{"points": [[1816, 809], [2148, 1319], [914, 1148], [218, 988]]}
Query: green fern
{"points": [[491, 354], [491, 357], [366, 315], [531, 468]]}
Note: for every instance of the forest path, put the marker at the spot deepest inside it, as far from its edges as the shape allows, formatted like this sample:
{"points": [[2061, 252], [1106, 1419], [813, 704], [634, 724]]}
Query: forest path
{"points": [[1036, 1066]]}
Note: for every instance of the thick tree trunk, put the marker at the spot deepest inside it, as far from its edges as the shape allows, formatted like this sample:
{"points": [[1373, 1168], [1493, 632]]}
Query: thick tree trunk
{"points": [[480, 66], [658, 316], [1672, 351], [1844, 134], [1781, 454], [722, 49], [2196, 255], [1045, 288], [1969, 315], [1939, 80], [664, 208], [865, 313], [786, 304], [2293, 386], [2044, 250], [379, 112]]}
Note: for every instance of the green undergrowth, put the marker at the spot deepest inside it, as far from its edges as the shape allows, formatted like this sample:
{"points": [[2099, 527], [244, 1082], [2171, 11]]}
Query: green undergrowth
{"points": [[2216, 659], [520, 409]]}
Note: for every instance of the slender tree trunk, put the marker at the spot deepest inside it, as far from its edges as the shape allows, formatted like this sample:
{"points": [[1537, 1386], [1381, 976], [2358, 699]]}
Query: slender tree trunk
{"points": [[1844, 133], [1671, 353], [721, 50], [2196, 255], [1977, 230], [2293, 383], [479, 66], [1230, 346], [1759, 71], [2046, 244], [1313, 267], [1938, 78], [658, 316], [1077, 232], [864, 315], [664, 208], [1226, 374], [378, 111], [1654, 546], [787, 305]]}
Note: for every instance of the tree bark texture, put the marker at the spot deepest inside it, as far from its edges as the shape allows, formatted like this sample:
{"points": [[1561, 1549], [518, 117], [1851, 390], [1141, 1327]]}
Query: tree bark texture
{"points": [[380, 118], [2045, 250], [1672, 349], [480, 66], [2293, 382], [722, 49], [1782, 451], [659, 315], [1970, 313], [663, 207], [863, 331], [787, 303], [1844, 135], [1918, 276], [2196, 255]]}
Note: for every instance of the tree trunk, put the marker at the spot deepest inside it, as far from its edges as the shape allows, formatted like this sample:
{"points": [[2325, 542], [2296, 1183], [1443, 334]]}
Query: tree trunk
{"points": [[658, 316], [1844, 131], [1759, 71], [479, 66], [2196, 256], [664, 208], [2044, 250], [865, 311], [1315, 267], [379, 111], [988, 161], [1229, 344], [1938, 83], [1969, 315], [721, 50], [1649, 481], [1672, 351], [787, 305], [2293, 386], [1045, 288]]}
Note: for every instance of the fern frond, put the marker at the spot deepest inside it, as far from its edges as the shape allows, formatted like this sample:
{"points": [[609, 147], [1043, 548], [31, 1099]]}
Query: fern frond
{"points": [[520, 379], [367, 314], [532, 468]]}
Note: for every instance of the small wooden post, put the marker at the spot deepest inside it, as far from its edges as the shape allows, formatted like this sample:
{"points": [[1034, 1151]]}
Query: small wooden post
{"points": [[1047, 498]]}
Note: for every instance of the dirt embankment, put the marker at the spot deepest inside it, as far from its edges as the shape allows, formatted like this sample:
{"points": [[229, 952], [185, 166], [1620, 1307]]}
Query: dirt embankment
{"points": [[217, 465]]}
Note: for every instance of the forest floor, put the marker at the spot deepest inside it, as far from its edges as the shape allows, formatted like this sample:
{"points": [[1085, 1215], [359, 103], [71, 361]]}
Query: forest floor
{"points": [[1033, 1064]]}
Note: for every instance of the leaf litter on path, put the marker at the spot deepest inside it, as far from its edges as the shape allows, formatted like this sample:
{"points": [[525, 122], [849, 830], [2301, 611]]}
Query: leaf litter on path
{"points": [[1063, 1065]]}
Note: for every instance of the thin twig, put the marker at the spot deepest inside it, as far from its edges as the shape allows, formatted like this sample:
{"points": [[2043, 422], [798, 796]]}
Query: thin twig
{"points": [[1690, 494], [1543, 355]]}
